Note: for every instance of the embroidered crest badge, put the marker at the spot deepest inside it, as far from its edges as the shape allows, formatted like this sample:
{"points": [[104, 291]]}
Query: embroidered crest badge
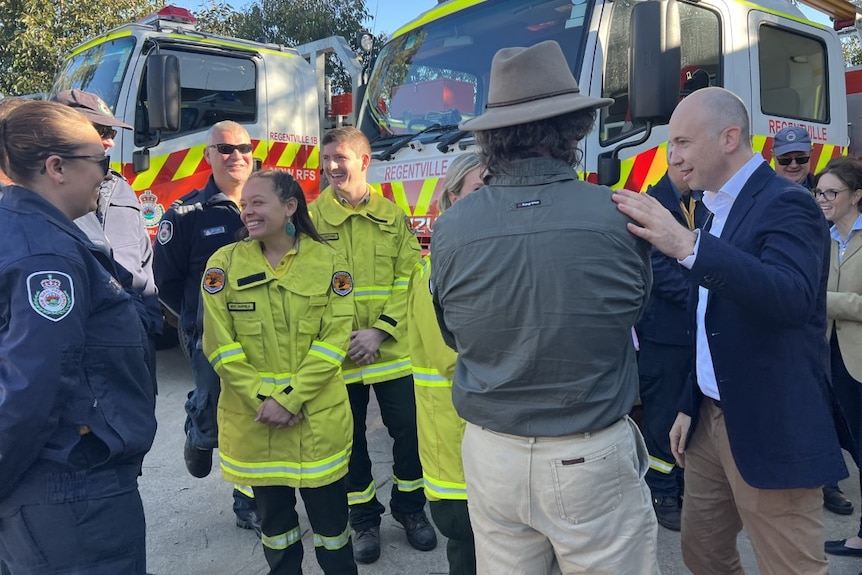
{"points": [[409, 225], [166, 232], [51, 294], [151, 210], [214, 279], [342, 283]]}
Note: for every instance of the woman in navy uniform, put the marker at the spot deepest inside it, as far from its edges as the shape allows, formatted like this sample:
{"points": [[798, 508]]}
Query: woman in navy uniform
{"points": [[76, 399]]}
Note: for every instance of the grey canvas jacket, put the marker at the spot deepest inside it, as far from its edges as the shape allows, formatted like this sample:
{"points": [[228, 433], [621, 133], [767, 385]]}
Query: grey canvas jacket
{"points": [[537, 284]]}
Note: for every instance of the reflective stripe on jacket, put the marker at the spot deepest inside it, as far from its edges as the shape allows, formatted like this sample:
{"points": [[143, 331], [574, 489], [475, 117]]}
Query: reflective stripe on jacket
{"points": [[439, 427]]}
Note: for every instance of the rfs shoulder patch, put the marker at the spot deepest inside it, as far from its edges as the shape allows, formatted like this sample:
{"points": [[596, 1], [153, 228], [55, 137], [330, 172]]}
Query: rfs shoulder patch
{"points": [[409, 225], [342, 283], [214, 279], [166, 232], [51, 294]]}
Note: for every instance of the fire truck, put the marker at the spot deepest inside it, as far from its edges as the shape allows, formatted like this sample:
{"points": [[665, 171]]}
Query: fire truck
{"points": [[172, 82], [646, 54]]}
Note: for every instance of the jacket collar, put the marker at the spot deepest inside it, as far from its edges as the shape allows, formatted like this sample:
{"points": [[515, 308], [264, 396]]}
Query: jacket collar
{"points": [[748, 196], [335, 213], [533, 172], [213, 195], [23, 200]]}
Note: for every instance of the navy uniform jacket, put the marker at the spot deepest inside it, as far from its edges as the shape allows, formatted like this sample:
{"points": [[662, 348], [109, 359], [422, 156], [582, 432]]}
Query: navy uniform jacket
{"points": [[76, 403], [766, 325], [190, 232], [666, 319]]}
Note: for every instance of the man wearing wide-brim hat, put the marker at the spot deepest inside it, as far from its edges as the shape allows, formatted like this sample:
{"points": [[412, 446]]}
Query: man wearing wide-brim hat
{"points": [[537, 284]]}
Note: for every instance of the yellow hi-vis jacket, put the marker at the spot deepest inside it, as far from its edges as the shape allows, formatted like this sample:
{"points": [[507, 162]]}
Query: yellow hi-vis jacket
{"points": [[282, 334], [381, 251], [439, 426]]}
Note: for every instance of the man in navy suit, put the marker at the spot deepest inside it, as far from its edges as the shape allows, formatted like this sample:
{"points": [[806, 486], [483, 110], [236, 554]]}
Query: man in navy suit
{"points": [[755, 430]]}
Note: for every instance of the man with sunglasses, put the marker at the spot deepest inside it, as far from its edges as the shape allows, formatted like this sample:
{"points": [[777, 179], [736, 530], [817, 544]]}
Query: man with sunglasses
{"points": [[117, 224], [194, 227], [791, 148]]}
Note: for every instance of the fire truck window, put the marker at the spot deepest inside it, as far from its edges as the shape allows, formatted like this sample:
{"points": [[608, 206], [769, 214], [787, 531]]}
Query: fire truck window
{"points": [[700, 54], [793, 81], [213, 88]]}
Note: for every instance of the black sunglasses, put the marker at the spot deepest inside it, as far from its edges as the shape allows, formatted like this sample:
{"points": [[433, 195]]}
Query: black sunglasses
{"points": [[103, 160], [228, 149], [800, 161], [106, 132]]}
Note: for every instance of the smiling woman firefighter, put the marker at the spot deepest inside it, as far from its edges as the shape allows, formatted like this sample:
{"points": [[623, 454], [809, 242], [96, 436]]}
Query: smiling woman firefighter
{"points": [[278, 310]]}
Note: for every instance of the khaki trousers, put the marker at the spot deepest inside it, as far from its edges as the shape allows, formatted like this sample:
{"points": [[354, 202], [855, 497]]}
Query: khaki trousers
{"points": [[785, 525], [552, 505]]}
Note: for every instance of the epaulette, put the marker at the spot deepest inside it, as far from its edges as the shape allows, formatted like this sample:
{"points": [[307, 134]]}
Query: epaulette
{"points": [[184, 209], [182, 199]]}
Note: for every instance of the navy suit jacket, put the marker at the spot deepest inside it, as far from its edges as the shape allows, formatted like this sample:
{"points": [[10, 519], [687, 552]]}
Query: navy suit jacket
{"points": [[765, 321], [666, 317]]}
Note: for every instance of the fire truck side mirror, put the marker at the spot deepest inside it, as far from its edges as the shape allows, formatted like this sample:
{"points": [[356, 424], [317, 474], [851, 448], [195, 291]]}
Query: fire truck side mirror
{"points": [[163, 92], [654, 60]]}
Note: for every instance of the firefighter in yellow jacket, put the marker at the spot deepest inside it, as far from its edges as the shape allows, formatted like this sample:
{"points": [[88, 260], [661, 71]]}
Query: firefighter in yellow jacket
{"points": [[278, 309], [372, 233], [440, 428]]}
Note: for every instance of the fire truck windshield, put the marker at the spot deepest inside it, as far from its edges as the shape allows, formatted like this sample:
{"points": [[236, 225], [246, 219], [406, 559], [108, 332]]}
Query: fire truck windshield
{"points": [[98, 69], [437, 72]]}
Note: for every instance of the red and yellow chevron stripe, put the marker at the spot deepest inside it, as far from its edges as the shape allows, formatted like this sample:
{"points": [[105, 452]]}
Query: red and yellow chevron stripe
{"points": [[647, 168]]}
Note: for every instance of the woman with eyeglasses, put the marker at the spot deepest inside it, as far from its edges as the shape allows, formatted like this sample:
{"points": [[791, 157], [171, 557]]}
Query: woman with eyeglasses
{"points": [[439, 427], [838, 191], [278, 312], [76, 405]]}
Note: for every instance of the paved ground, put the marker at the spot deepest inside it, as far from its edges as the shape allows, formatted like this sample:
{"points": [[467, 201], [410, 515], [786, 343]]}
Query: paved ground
{"points": [[191, 526]]}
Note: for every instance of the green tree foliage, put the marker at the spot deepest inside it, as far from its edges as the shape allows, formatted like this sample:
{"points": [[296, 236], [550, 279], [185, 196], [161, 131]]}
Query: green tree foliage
{"points": [[219, 18], [36, 34], [852, 50], [290, 22]]}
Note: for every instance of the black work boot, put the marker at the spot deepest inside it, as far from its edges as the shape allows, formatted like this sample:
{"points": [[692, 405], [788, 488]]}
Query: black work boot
{"points": [[248, 519], [420, 533], [199, 461], [366, 545], [667, 511]]}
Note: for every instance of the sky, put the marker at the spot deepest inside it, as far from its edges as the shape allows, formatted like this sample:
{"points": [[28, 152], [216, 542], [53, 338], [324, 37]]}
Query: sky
{"points": [[389, 15]]}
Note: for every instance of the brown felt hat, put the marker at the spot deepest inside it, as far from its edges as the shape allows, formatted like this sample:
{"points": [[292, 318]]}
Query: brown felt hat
{"points": [[529, 84]]}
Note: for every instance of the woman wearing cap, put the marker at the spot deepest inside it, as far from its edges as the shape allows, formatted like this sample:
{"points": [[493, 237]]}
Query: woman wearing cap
{"points": [[439, 428], [838, 191], [76, 410], [278, 310]]}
